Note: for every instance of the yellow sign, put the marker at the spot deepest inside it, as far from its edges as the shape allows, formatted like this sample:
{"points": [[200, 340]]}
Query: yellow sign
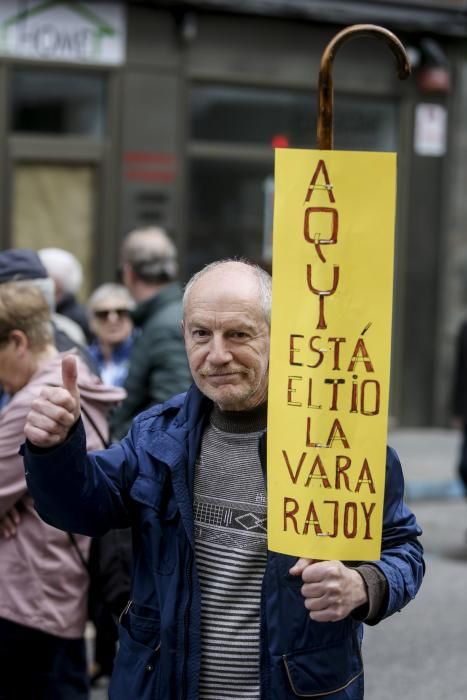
{"points": [[330, 352]]}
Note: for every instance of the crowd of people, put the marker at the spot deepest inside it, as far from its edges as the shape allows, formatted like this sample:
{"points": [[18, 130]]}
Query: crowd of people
{"points": [[53, 581], [138, 424]]}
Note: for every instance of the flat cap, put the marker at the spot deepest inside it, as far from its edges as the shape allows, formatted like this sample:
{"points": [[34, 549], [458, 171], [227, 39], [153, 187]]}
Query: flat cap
{"points": [[20, 264]]}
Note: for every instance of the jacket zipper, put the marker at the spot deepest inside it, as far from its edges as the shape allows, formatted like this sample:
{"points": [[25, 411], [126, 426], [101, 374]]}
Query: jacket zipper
{"points": [[264, 646], [263, 630], [124, 611]]}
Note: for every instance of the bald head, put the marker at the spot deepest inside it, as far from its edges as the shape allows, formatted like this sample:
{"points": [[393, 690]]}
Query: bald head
{"points": [[240, 276], [151, 255]]}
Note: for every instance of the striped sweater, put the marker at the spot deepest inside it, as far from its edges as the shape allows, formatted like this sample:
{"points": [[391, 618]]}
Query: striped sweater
{"points": [[231, 549]]}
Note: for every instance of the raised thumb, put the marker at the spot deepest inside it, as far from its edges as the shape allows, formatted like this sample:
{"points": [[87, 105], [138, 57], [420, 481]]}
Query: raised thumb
{"points": [[70, 375]]}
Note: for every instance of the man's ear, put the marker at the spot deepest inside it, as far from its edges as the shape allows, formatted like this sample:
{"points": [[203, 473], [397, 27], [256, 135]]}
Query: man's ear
{"points": [[128, 275]]}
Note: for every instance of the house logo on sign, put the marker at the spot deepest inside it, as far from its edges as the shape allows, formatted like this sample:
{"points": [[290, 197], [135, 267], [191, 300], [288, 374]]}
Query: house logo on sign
{"points": [[61, 30]]}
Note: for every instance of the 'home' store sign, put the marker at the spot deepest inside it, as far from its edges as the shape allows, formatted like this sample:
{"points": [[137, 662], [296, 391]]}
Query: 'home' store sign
{"points": [[60, 30]]}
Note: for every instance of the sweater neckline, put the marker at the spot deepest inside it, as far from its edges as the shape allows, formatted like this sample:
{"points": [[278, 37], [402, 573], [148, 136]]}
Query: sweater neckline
{"points": [[250, 421]]}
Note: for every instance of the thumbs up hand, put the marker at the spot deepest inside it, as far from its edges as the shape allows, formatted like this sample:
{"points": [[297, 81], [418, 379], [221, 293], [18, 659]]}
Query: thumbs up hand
{"points": [[70, 381], [55, 410]]}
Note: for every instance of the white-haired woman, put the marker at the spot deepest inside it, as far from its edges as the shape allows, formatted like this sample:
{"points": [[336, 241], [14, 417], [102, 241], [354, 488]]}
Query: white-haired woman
{"points": [[67, 273], [109, 308]]}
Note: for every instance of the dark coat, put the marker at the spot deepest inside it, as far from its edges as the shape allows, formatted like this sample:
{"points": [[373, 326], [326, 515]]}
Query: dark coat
{"points": [[69, 306], [459, 387], [158, 364], [147, 481]]}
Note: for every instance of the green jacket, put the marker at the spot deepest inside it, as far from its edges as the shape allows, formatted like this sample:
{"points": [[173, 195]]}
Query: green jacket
{"points": [[158, 363]]}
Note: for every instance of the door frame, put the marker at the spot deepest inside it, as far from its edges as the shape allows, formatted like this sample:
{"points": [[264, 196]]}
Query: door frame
{"points": [[103, 154]]}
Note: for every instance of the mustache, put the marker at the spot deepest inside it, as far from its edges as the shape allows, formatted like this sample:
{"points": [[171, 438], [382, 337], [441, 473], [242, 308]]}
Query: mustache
{"points": [[207, 372]]}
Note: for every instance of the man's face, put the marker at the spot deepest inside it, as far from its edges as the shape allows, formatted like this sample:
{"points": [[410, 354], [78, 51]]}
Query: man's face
{"points": [[227, 338]]}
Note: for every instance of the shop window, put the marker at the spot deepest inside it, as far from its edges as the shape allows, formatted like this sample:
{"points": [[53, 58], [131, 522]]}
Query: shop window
{"points": [[57, 102], [227, 209], [231, 188], [54, 205], [250, 115], [365, 123]]}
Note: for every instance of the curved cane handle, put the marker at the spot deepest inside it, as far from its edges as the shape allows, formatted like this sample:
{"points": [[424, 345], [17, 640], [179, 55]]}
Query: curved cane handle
{"points": [[326, 96]]}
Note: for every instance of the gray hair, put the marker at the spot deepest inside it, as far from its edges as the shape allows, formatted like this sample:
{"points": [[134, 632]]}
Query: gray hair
{"points": [[263, 279], [64, 267], [151, 254], [45, 285], [110, 290]]}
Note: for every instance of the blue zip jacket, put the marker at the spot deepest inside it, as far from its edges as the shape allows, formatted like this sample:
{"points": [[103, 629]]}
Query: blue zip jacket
{"points": [[146, 481]]}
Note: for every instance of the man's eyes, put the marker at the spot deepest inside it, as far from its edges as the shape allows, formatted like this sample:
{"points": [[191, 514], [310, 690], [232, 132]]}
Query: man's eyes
{"points": [[200, 333], [239, 334]]}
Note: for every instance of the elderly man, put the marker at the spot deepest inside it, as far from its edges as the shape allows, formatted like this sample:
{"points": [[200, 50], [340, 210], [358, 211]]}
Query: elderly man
{"points": [[213, 614], [158, 367]]}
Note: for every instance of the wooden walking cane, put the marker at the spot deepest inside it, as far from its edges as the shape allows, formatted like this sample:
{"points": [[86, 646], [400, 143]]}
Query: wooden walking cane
{"points": [[325, 86], [333, 250]]}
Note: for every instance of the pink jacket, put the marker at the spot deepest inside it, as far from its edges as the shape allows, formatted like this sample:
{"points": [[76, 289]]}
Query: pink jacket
{"points": [[43, 583]]}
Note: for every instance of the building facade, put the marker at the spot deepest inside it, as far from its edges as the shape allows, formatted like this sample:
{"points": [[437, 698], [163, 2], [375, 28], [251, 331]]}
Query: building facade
{"points": [[116, 115]]}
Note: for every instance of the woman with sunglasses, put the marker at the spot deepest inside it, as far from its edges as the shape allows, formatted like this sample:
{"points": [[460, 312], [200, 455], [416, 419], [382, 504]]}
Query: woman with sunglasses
{"points": [[110, 559], [109, 309]]}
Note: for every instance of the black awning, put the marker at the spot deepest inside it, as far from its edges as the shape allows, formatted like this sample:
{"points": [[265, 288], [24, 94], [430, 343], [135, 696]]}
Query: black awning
{"points": [[447, 18]]}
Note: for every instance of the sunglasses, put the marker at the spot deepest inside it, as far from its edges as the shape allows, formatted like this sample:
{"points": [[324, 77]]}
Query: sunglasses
{"points": [[103, 314]]}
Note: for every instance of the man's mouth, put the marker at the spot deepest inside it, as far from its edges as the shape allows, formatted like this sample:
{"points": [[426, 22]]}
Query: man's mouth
{"points": [[220, 377], [221, 374]]}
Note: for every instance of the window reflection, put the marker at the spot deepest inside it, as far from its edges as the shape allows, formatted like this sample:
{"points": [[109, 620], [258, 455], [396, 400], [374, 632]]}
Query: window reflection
{"points": [[57, 102], [365, 123], [227, 210], [247, 115], [252, 115]]}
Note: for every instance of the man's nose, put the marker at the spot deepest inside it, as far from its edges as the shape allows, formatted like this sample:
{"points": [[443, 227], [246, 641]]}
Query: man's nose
{"points": [[219, 353]]}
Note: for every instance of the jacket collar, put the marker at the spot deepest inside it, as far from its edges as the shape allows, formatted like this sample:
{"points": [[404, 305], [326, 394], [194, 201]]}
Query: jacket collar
{"points": [[181, 420], [145, 309], [176, 443]]}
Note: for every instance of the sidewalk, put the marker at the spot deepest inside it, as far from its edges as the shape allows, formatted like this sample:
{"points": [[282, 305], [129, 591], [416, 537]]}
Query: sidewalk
{"points": [[429, 459]]}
